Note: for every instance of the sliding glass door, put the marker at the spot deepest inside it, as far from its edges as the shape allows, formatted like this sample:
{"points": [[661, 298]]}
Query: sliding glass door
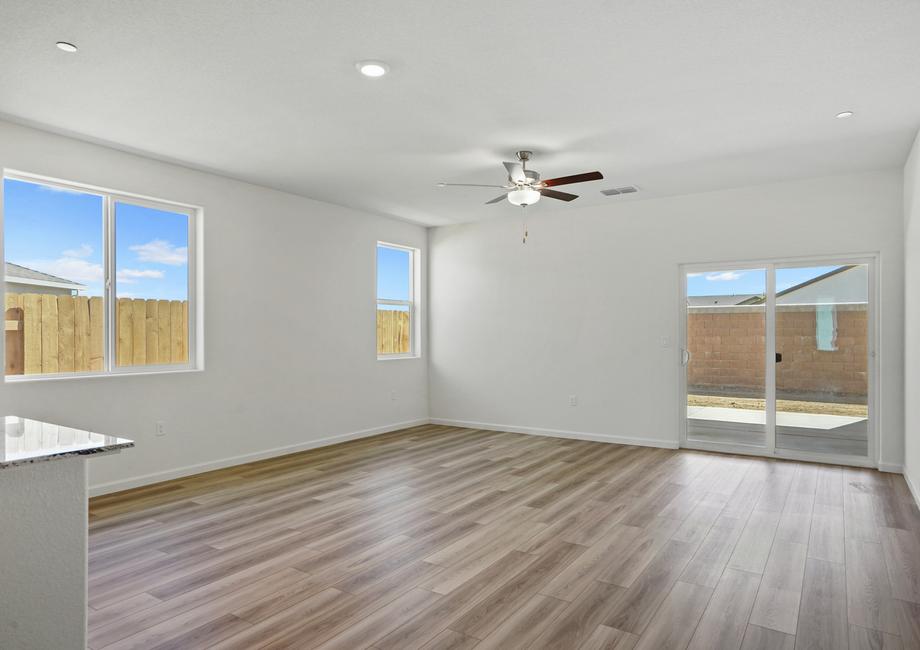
{"points": [[724, 356], [777, 359]]}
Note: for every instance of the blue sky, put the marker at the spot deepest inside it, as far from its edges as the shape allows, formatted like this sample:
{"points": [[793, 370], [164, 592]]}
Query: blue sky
{"points": [[748, 281], [393, 267], [60, 232]]}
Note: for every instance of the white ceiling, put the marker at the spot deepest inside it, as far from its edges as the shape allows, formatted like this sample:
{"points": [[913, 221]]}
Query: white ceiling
{"points": [[672, 96]]}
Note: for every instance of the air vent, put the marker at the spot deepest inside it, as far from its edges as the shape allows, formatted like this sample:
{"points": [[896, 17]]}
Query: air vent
{"points": [[614, 191]]}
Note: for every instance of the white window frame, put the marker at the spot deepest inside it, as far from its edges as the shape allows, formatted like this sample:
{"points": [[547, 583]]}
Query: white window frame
{"points": [[412, 303], [195, 325]]}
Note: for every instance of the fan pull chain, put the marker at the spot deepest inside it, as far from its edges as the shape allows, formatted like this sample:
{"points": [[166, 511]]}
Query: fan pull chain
{"points": [[524, 225]]}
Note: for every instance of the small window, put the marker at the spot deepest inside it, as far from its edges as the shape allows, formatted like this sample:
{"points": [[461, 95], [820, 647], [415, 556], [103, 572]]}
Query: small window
{"points": [[95, 282], [396, 335]]}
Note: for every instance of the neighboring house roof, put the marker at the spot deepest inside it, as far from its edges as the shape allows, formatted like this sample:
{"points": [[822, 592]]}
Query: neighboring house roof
{"points": [[815, 280], [23, 275], [713, 301], [798, 287]]}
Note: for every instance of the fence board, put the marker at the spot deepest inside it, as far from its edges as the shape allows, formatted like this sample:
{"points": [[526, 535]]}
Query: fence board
{"points": [[65, 352], [49, 335], [139, 332], [124, 346], [153, 334], [81, 333], [164, 351], [15, 350], [32, 332], [177, 344], [96, 340]]}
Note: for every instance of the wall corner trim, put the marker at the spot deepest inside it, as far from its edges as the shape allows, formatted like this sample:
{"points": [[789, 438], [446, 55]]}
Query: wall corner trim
{"points": [[914, 489]]}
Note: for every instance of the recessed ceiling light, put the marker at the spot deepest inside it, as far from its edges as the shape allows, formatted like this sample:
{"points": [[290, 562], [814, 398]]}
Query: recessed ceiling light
{"points": [[64, 46], [844, 115], [372, 68]]}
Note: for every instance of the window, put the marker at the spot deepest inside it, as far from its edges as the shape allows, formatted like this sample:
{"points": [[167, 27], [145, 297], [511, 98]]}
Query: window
{"points": [[396, 329], [95, 282]]}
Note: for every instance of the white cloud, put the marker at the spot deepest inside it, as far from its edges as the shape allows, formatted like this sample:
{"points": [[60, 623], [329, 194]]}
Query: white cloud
{"points": [[69, 268], [72, 265], [724, 276], [58, 190], [161, 251], [85, 250], [130, 276]]}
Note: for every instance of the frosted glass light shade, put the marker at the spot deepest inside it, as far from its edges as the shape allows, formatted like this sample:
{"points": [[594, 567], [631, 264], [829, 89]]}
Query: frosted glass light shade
{"points": [[524, 196]]}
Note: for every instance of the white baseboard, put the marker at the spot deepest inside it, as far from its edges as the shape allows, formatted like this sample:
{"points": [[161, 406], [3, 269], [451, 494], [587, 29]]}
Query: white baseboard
{"points": [[188, 470], [913, 489], [894, 468], [559, 433]]}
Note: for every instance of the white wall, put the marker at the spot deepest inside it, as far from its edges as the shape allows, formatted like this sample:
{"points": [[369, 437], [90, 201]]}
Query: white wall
{"points": [[289, 325], [582, 307], [912, 319]]}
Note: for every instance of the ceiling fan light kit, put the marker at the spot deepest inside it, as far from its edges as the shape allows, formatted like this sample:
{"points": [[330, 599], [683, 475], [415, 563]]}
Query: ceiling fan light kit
{"points": [[525, 187], [523, 197]]}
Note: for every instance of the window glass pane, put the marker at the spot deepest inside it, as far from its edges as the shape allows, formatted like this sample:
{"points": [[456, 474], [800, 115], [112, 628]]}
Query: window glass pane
{"points": [[822, 373], [394, 268], [726, 344], [151, 286], [53, 279], [393, 329]]}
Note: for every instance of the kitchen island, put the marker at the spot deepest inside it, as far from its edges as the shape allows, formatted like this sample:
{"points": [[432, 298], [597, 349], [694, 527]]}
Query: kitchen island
{"points": [[43, 532]]}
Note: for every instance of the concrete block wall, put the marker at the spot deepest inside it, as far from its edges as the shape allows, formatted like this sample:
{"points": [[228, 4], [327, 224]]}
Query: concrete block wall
{"points": [[727, 352]]}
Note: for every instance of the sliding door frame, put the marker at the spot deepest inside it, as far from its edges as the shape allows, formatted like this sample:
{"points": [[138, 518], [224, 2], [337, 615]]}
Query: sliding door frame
{"points": [[874, 354]]}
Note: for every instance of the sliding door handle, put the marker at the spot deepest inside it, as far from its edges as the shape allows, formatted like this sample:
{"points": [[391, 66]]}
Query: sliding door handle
{"points": [[684, 357], [779, 357]]}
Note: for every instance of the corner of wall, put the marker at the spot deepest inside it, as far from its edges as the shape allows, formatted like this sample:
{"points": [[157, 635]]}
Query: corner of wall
{"points": [[912, 318]]}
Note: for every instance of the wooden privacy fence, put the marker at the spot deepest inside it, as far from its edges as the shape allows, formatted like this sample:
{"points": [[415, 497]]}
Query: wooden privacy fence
{"points": [[393, 332], [151, 332], [47, 333]]}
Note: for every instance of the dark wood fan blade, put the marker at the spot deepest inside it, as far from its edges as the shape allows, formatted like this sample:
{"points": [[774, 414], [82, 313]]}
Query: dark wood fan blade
{"points": [[497, 199], [575, 178], [562, 196]]}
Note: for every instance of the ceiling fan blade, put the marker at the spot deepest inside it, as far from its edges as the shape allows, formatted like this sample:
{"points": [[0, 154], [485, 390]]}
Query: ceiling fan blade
{"points": [[497, 199], [468, 185], [575, 178], [515, 172], [562, 196]]}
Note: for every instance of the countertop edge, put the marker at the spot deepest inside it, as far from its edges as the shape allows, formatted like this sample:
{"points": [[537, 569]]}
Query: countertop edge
{"points": [[94, 451]]}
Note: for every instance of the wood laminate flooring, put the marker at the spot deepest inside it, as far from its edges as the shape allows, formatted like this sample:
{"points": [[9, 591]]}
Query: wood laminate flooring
{"points": [[437, 537]]}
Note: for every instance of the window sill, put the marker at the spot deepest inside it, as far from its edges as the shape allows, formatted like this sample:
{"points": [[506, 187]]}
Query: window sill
{"points": [[25, 379], [396, 357]]}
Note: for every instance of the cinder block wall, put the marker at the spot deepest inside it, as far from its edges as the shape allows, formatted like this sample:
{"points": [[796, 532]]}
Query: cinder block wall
{"points": [[727, 352]]}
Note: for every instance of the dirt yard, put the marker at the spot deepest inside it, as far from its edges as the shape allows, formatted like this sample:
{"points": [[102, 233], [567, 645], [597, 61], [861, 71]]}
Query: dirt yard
{"points": [[785, 405]]}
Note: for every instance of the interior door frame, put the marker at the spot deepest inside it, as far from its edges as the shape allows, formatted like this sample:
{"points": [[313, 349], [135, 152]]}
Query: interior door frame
{"points": [[874, 354]]}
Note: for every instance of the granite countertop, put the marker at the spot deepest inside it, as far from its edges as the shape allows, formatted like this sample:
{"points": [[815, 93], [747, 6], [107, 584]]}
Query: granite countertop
{"points": [[32, 441]]}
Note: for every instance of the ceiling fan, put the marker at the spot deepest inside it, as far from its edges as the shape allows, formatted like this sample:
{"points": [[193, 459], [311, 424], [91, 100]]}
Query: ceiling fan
{"points": [[524, 186]]}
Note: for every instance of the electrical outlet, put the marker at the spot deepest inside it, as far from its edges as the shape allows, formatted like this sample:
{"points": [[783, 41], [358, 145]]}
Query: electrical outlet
{"points": [[392, 395], [160, 428], [573, 400]]}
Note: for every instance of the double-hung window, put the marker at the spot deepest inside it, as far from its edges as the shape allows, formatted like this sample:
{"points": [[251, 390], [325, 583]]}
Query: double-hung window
{"points": [[96, 282], [396, 301]]}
